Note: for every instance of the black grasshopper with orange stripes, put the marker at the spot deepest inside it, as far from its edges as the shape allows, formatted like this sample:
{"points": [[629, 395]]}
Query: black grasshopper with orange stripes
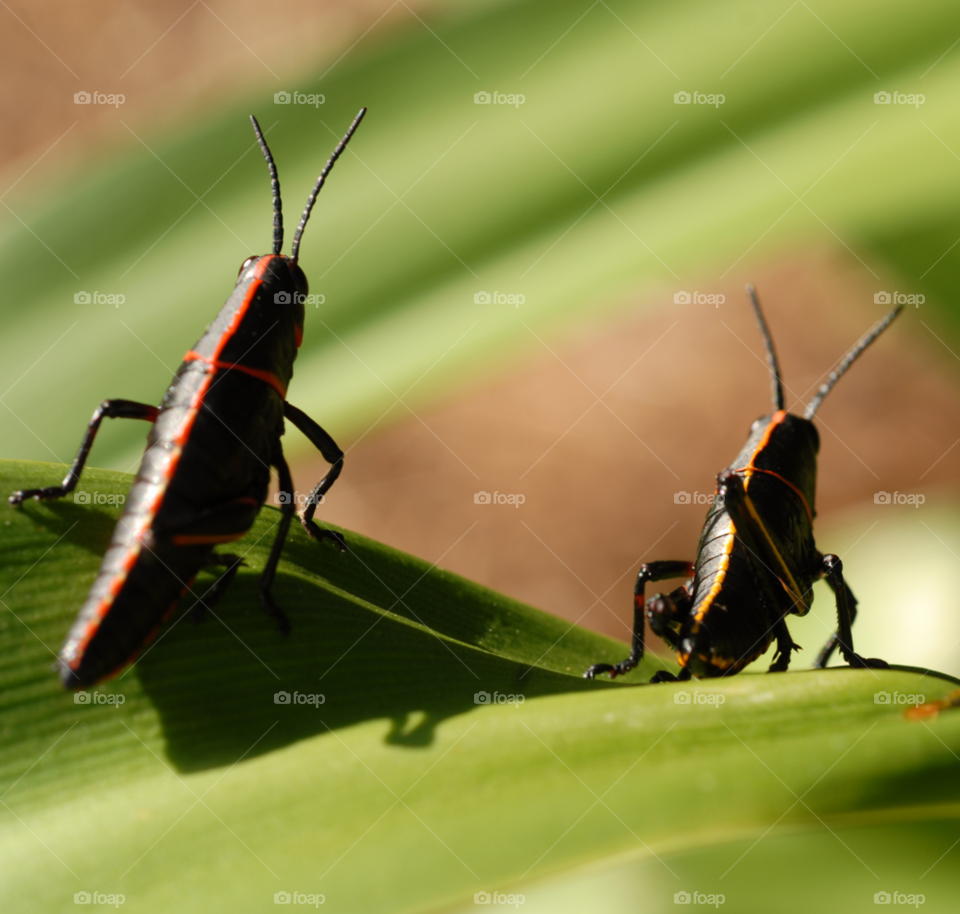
{"points": [[757, 560], [206, 470]]}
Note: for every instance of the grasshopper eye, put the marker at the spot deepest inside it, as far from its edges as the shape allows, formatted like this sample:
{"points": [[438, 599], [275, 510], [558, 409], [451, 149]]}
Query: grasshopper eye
{"points": [[247, 263]]}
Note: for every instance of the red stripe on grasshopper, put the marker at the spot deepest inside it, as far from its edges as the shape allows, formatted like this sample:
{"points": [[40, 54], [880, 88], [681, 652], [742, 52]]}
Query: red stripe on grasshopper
{"points": [[153, 632], [146, 518], [268, 376]]}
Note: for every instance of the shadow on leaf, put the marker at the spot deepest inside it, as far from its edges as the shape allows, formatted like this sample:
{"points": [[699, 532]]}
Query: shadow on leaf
{"points": [[216, 686], [86, 526]]}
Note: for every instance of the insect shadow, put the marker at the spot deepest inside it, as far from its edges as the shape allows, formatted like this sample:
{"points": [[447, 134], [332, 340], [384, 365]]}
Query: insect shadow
{"points": [[344, 663], [371, 655], [80, 525]]}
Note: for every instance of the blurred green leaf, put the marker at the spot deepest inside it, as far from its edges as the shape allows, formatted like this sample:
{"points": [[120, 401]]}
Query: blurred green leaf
{"points": [[440, 198], [399, 792]]}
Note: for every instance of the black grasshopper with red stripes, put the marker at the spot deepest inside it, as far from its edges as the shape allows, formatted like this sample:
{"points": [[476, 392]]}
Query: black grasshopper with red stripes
{"points": [[206, 470], [757, 560]]}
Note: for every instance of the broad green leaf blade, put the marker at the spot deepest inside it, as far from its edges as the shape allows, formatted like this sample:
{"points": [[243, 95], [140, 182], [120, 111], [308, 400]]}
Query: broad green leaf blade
{"points": [[362, 620], [397, 792], [836, 865]]}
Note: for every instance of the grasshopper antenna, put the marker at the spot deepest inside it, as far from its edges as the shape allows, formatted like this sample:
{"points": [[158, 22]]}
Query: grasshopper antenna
{"points": [[848, 360], [274, 187], [295, 250], [776, 385]]}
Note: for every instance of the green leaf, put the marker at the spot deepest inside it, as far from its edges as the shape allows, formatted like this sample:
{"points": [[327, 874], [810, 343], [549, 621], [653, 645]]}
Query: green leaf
{"points": [[397, 792]]}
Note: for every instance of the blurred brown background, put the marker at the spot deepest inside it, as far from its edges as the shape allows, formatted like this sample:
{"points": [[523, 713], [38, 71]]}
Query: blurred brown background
{"points": [[680, 385], [171, 61]]}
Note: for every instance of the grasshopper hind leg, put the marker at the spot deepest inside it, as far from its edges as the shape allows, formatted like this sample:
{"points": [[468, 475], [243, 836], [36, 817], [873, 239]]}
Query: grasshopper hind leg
{"points": [[846, 613]]}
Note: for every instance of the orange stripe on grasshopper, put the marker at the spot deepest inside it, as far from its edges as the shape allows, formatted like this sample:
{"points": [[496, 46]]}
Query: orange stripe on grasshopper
{"points": [[749, 471], [775, 420], [718, 582], [750, 468], [790, 585]]}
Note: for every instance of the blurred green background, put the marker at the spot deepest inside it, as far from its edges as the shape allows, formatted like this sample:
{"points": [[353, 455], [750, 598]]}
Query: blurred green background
{"points": [[444, 198], [597, 195]]}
